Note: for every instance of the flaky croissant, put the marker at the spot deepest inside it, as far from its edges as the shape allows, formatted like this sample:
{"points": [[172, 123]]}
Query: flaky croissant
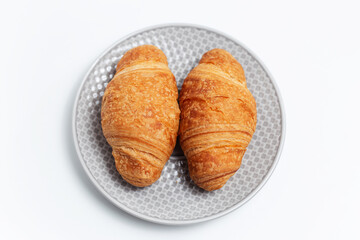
{"points": [[140, 114], [218, 119]]}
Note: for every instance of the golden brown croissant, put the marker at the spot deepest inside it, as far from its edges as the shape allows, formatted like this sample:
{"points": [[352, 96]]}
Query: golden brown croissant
{"points": [[140, 114], [218, 119]]}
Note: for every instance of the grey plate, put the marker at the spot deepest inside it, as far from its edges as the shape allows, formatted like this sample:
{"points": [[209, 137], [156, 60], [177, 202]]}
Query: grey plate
{"points": [[174, 199]]}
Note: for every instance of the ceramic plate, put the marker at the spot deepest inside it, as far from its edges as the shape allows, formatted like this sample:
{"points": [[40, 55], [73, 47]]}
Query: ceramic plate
{"points": [[174, 199]]}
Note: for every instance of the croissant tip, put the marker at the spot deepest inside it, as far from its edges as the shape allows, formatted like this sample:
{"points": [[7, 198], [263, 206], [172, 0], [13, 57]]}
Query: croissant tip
{"points": [[211, 188], [149, 46], [142, 53], [139, 182], [218, 51]]}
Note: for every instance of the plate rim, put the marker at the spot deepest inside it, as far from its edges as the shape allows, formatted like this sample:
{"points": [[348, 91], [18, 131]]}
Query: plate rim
{"points": [[166, 221]]}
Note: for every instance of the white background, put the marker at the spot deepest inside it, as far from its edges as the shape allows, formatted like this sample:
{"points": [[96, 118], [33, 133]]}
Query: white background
{"points": [[312, 50]]}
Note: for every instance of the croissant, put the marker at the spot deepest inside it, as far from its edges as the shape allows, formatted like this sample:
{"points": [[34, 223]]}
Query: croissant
{"points": [[218, 119], [140, 115]]}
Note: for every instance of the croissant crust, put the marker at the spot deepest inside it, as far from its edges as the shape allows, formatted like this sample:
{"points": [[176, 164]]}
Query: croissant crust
{"points": [[218, 119], [140, 114]]}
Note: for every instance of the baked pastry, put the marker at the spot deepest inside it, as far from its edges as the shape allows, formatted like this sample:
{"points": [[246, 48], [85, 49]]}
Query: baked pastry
{"points": [[218, 119], [140, 114]]}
